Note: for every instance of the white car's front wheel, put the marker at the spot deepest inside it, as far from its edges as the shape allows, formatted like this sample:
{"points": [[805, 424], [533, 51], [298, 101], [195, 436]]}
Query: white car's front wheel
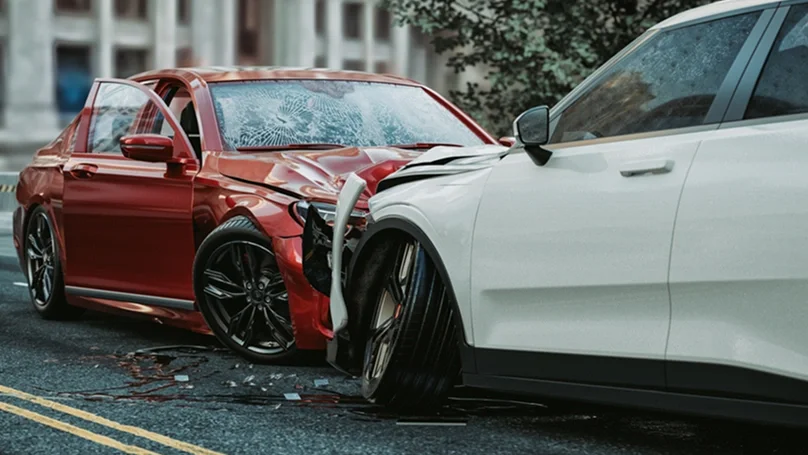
{"points": [[411, 356]]}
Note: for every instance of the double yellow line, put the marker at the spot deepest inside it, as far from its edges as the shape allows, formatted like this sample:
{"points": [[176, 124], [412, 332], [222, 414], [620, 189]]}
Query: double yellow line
{"points": [[94, 437]]}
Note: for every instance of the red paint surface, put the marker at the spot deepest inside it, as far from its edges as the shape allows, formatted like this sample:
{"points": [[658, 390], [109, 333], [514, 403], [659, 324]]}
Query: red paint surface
{"points": [[135, 226]]}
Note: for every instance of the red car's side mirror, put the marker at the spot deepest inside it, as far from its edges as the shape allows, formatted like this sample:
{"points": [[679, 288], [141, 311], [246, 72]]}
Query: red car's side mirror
{"points": [[152, 148], [507, 141]]}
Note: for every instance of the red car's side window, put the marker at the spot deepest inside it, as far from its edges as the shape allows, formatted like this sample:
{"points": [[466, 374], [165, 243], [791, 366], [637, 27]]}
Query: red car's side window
{"points": [[72, 135], [119, 110]]}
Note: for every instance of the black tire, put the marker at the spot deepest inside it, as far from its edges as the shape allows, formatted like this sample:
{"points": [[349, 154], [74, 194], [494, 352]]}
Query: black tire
{"points": [[43, 269], [234, 311], [424, 358]]}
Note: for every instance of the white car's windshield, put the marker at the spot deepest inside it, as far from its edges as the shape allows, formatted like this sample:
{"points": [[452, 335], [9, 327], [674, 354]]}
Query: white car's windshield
{"points": [[268, 114]]}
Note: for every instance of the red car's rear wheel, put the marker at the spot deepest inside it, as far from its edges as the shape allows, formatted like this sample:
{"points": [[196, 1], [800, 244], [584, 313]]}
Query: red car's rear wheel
{"points": [[241, 293], [44, 269]]}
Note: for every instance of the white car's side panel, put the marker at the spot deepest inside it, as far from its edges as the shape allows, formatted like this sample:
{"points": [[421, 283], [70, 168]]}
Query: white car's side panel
{"points": [[444, 208], [739, 268], [573, 257]]}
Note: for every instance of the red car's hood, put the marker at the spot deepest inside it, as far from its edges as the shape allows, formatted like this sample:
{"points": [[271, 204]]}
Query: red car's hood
{"points": [[315, 174]]}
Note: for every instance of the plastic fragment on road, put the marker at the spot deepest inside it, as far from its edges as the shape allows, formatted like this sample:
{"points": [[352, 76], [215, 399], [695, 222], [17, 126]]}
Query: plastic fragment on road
{"points": [[181, 378], [230, 383], [320, 382], [276, 376], [292, 396], [440, 422], [187, 386], [249, 380], [277, 406]]}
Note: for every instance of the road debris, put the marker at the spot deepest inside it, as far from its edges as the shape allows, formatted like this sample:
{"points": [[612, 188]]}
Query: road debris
{"points": [[292, 396], [181, 378], [249, 380], [276, 376], [320, 382], [230, 383]]}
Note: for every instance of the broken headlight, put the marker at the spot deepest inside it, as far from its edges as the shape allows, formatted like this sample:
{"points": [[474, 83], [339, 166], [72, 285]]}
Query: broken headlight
{"points": [[328, 212]]}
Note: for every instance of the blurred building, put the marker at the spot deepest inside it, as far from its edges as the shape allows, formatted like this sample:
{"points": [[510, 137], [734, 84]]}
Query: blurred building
{"points": [[51, 50]]}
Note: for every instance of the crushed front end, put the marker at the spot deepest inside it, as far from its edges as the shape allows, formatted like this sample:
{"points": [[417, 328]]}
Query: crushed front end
{"points": [[329, 242]]}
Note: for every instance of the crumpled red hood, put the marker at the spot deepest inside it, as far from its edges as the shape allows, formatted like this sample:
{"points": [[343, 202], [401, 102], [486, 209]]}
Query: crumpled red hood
{"points": [[316, 174]]}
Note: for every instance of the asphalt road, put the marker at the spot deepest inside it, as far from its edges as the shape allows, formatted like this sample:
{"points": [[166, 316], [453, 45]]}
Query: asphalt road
{"points": [[82, 388]]}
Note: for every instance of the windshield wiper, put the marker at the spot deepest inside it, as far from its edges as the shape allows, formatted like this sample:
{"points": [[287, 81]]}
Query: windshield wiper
{"points": [[423, 145], [313, 146]]}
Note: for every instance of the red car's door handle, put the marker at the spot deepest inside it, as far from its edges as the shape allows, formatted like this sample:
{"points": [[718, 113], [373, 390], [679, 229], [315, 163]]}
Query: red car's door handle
{"points": [[84, 171]]}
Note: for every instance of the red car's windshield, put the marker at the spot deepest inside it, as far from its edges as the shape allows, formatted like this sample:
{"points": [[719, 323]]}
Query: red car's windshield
{"points": [[265, 114]]}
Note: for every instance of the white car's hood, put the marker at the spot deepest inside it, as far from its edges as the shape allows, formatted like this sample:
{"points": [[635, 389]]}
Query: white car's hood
{"points": [[442, 160]]}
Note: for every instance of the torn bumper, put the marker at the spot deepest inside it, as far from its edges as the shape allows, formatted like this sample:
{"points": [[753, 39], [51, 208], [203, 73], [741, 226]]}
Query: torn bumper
{"points": [[327, 251]]}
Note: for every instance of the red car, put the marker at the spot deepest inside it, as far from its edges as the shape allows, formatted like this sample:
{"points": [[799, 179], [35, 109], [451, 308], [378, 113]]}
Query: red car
{"points": [[181, 194]]}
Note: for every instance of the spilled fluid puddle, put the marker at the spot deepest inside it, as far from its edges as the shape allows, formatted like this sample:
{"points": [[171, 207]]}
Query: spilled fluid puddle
{"points": [[176, 373]]}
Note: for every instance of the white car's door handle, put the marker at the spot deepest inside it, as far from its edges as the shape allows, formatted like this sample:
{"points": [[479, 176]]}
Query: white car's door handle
{"points": [[646, 167]]}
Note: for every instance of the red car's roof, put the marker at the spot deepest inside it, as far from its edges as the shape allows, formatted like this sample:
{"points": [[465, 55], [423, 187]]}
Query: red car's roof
{"points": [[244, 73]]}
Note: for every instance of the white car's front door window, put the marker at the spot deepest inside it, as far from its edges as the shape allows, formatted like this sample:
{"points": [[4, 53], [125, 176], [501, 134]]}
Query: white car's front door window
{"points": [[668, 82]]}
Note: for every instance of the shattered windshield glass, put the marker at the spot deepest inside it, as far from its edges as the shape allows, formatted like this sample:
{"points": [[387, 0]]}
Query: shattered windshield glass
{"points": [[352, 113]]}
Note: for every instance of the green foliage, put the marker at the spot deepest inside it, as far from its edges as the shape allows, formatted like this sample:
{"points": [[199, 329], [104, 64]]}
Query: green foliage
{"points": [[533, 51]]}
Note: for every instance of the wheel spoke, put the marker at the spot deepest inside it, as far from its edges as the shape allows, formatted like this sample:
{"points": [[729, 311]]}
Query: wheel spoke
{"points": [[384, 332], [220, 286], [249, 333], [279, 328], [46, 286], [236, 321], [33, 242], [395, 289]]}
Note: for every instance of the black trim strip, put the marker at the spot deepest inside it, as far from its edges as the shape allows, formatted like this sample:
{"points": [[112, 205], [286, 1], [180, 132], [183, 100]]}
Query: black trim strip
{"points": [[748, 410], [743, 93], [589, 369], [664, 375], [134, 298], [736, 71]]}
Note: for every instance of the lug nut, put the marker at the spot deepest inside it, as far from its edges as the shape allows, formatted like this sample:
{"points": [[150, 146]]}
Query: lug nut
{"points": [[260, 285], [267, 300]]}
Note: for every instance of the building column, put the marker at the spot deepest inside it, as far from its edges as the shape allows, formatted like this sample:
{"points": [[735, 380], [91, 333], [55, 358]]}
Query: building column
{"points": [[334, 33], [227, 29], [105, 39], [418, 71], [266, 33], [30, 94], [369, 33], [281, 12], [307, 33], [401, 49], [164, 47], [203, 32]]}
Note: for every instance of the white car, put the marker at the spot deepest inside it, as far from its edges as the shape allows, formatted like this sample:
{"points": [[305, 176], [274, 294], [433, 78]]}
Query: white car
{"points": [[644, 243]]}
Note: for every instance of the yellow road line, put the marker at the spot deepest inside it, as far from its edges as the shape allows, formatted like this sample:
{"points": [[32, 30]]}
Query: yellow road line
{"points": [[74, 430], [140, 432]]}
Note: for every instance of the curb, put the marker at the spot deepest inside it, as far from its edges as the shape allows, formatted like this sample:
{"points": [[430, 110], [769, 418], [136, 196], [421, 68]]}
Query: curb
{"points": [[10, 264]]}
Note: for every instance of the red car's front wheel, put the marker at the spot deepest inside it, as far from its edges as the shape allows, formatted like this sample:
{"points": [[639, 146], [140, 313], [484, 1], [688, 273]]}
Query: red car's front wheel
{"points": [[241, 293]]}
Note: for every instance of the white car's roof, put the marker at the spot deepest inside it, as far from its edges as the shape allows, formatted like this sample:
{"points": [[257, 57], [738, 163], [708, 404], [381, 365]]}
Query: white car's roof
{"points": [[713, 9]]}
